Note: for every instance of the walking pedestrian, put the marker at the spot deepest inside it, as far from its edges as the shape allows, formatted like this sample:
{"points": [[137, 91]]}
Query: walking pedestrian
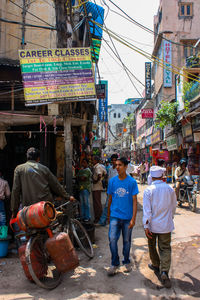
{"points": [[160, 163], [142, 172], [111, 173], [122, 210], [84, 182], [159, 205], [97, 188]]}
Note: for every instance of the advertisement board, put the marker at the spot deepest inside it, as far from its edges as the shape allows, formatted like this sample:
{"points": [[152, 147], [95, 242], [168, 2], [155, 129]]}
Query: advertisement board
{"points": [[167, 62], [172, 143], [103, 105], [147, 80], [147, 113], [57, 75]]}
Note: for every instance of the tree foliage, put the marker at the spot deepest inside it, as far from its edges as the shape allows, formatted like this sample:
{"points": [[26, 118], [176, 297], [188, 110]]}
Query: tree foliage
{"points": [[166, 115]]}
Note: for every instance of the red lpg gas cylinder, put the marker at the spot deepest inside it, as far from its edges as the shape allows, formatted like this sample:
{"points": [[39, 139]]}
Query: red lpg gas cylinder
{"points": [[38, 215], [62, 252], [37, 259]]}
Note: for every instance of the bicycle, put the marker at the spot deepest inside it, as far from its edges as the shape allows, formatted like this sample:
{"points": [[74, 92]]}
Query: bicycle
{"points": [[45, 274]]}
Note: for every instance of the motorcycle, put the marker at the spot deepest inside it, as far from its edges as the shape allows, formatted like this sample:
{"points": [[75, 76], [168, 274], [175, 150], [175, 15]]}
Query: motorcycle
{"points": [[188, 192]]}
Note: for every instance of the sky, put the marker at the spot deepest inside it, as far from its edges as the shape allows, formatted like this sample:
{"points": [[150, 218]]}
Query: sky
{"points": [[120, 87]]}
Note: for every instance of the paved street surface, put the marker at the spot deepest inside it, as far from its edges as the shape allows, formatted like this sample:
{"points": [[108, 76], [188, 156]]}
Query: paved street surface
{"points": [[90, 281]]}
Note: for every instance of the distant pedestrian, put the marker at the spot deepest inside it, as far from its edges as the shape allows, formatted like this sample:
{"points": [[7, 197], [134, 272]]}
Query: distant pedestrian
{"points": [[147, 168], [111, 173], [142, 173], [159, 205], [84, 182], [160, 163], [122, 210], [97, 187]]}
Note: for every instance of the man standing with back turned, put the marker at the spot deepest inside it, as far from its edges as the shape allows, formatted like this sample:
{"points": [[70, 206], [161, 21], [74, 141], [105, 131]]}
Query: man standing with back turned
{"points": [[34, 182], [122, 210], [159, 205]]}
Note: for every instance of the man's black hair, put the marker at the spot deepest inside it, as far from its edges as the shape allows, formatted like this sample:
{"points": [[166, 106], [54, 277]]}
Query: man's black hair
{"points": [[114, 156], [96, 158], [32, 153], [123, 160], [87, 160], [160, 162]]}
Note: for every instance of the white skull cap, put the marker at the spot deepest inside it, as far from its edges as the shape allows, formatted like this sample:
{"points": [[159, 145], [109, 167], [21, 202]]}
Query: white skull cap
{"points": [[156, 171]]}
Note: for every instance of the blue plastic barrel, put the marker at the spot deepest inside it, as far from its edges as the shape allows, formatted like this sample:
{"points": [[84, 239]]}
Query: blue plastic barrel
{"points": [[4, 246]]}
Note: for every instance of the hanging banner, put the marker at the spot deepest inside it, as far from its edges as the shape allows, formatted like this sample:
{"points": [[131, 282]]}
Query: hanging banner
{"points": [[167, 62], [103, 105], [147, 80], [57, 75]]}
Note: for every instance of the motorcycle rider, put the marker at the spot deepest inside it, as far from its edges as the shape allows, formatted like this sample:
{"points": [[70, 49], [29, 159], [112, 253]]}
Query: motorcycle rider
{"points": [[180, 172]]}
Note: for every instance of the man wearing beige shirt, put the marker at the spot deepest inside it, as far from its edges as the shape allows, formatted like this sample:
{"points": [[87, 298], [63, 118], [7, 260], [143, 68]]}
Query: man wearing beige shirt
{"points": [[180, 173], [97, 187]]}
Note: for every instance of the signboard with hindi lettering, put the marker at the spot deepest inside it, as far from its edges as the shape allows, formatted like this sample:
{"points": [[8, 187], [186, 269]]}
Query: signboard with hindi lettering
{"points": [[57, 75]]}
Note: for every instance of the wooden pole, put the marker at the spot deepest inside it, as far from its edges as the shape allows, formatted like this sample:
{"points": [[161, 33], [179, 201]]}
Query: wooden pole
{"points": [[12, 98]]}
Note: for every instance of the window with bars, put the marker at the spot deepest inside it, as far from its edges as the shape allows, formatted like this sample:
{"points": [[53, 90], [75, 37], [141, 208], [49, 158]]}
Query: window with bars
{"points": [[185, 9]]}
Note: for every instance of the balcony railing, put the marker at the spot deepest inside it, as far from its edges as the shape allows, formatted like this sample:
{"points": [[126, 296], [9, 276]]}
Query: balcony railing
{"points": [[193, 92], [193, 62]]}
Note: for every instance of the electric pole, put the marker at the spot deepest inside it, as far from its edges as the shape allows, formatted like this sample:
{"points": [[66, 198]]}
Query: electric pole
{"points": [[62, 36], [23, 24]]}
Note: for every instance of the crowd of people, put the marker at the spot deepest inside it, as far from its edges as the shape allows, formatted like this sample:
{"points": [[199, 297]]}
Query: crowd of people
{"points": [[34, 182]]}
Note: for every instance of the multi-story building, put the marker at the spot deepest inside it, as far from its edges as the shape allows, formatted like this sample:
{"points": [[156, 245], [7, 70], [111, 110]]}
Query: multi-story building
{"points": [[176, 61], [117, 133]]}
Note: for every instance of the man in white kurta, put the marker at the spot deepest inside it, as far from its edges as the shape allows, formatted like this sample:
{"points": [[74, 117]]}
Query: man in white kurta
{"points": [[159, 205]]}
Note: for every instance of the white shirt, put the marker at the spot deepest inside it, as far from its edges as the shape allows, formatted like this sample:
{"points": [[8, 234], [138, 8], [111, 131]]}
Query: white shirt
{"points": [[112, 172], [159, 205], [149, 180], [98, 170], [130, 169]]}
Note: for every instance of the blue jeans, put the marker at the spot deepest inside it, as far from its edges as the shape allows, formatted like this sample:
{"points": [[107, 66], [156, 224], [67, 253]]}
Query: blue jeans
{"points": [[85, 206], [103, 218], [116, 226], [2, 214]]}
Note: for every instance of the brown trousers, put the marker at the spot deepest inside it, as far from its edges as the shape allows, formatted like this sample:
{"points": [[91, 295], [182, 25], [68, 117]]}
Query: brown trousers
{"points": [[163, 260], [97, 206]]}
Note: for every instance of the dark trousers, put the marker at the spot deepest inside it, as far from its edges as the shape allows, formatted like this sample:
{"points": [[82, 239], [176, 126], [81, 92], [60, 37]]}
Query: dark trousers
{"points": [[97, 206], [163, 260]]}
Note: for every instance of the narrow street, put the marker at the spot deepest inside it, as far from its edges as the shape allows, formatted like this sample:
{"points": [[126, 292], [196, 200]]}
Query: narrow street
{"points": [[90, 281]]}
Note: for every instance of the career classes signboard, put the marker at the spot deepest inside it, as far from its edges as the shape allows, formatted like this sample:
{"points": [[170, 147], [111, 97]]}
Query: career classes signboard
{"points": [[57, 75]]}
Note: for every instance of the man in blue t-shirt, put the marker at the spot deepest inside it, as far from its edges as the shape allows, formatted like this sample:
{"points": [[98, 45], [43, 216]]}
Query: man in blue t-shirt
{"points": [[122, 210]]}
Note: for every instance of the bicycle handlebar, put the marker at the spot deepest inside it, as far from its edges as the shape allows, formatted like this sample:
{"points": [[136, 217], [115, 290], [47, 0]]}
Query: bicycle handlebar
{"points": [[66, 204]]}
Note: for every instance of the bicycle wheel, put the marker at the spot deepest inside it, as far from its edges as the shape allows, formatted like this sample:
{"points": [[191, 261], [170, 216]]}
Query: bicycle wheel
{"points": [[41, 267], [82, 238]]}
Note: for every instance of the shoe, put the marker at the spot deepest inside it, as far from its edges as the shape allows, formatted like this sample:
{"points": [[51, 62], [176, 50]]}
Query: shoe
{"points": [[165, 280], [153, 268], [97, 224], [128, 268], [112, 270]]}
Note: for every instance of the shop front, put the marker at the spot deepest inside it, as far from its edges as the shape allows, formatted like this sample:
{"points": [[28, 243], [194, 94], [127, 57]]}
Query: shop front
{"points": [[155, 142]]}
